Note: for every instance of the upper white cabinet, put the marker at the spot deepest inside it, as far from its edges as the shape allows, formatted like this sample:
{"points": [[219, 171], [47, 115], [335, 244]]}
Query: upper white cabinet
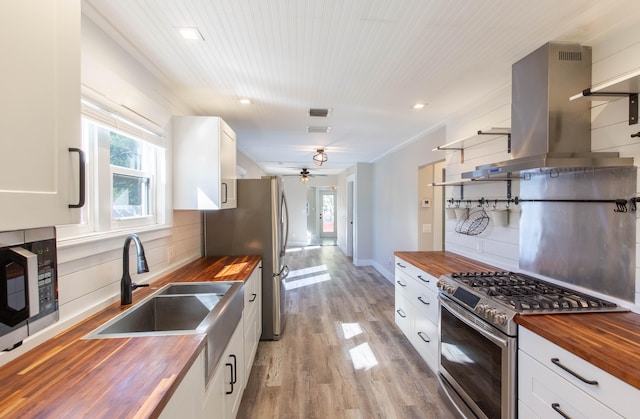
{"points": [[204, 163], [40, 113]]}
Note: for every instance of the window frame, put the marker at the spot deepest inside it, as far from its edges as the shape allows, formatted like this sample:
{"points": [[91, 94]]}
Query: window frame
{"points": [[96, 218]]}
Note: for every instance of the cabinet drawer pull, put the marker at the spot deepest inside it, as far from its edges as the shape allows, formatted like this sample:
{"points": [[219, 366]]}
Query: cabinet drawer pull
{"points": [[575, 374], [400, 265], [401, 313], [423, 301], [556, 407], [81, 177], [230, 382], [253, 297], [424, 337], [401, 284], [423, 280]]}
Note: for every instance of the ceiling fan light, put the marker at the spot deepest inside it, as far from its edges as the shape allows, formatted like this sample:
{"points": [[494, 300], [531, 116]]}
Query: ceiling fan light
{"points": [[320, 157], [304, 178]]}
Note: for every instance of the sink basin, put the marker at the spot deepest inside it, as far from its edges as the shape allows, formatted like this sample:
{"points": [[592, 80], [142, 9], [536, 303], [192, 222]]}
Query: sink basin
{"points": [[213, 308], [162, 314], [220, 288]]}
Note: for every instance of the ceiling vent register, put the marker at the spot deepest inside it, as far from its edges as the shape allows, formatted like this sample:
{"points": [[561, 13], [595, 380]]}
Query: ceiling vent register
{"points": [[319, 112]]}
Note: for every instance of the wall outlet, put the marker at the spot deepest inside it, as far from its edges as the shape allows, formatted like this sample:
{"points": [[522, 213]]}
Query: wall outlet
{"points": [[426, 203], [426, 228], [171, 254]]}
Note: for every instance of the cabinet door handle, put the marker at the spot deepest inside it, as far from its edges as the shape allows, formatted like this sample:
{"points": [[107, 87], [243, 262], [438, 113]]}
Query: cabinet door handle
{"points": [[575, 374], [424, 337], [234, 376], [400, 283], [422, 279], [400, 265], [81, 177], [556, 407], [225, 187], [253, 297], [423, 301], [230, 382], [401, 313]]}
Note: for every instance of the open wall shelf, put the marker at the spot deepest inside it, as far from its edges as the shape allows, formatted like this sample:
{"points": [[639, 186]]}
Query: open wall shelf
{"points": [[482, 136], [626, 85]]}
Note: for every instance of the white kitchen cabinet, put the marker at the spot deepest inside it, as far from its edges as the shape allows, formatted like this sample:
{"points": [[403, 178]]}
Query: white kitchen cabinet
{"points": [[225, 388], [545, 388], [204, 163], [186, 401], [417, 310], [39, 113], [252, 318]]}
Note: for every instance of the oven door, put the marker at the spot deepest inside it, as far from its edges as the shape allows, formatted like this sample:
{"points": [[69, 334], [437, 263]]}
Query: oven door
{"points": [[477, 361]]}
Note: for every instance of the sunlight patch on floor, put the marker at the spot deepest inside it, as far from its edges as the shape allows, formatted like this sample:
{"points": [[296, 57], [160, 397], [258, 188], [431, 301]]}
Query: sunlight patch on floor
{"points": [[362, 357], [300, 249], [350, 330], [303, 282]]}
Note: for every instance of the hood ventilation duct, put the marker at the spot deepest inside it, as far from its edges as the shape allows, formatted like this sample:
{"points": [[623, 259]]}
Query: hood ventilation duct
{"points": [[548, 131]]}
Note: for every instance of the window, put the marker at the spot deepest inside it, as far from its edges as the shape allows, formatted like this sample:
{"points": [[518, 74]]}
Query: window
{"points": [[125, 176]]}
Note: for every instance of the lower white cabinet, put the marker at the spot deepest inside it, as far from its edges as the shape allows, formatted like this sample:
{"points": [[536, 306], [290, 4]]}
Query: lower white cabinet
{"points": [[252, 319], [224, 390], [553, 382], [187, 400], [417, 310]]}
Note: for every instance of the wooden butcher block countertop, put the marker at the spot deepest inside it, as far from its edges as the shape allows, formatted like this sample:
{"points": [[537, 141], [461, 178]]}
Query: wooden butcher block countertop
{"points": [[610, 341], [68, 377]]}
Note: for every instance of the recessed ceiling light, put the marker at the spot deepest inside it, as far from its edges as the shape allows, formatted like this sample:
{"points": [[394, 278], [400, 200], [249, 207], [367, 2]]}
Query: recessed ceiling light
{"points": [[245, 101], [418, 106], [191, 33]]}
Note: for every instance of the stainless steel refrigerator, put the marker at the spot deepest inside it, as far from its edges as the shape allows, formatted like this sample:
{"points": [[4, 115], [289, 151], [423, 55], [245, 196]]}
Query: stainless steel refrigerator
{"points": [[258, 226]]}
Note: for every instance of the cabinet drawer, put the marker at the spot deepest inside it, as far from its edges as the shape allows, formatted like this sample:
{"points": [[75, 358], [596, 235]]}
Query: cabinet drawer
{"points": [[403, 283], [609, 390], [546, 394], [424, 338], [403, 314], [426, 303]]}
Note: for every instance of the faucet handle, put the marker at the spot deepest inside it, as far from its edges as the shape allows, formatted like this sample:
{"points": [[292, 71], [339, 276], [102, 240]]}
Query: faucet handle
{"points": [[134, 286]]}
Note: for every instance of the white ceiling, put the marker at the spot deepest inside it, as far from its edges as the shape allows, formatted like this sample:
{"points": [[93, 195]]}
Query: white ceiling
{"points": [[368, 60]]}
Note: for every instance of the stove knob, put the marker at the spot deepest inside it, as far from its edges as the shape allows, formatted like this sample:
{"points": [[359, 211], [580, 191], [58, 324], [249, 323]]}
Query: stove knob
{"points": [[490, 314], [440, 284], [481, 309], [501, 318], [450, 289]]}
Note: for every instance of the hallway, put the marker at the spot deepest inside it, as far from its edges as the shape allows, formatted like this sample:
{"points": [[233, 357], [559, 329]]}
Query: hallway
{"points": [[341, 354]]}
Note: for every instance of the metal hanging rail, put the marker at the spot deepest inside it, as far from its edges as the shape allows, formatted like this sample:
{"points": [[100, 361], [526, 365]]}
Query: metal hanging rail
{"points": [[621, 204]]}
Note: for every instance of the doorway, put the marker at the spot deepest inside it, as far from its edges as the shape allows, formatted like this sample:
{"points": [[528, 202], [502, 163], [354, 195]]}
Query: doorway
{"points": [[431, 207], [322, 225]]}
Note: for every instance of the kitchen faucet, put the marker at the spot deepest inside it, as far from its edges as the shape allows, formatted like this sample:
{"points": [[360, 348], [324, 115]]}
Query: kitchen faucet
{"points": [[126, 286]]}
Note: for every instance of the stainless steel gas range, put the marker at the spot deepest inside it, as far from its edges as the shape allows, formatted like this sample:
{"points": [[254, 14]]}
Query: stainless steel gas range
{"points": [[478, 334]]}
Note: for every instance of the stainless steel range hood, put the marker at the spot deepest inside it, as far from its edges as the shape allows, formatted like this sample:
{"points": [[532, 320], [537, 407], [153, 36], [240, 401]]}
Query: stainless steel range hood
{"points": [[548, 131]]}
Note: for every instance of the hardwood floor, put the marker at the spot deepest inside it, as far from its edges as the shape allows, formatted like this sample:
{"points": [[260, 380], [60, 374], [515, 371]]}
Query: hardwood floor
{"points": [[341, 354]]}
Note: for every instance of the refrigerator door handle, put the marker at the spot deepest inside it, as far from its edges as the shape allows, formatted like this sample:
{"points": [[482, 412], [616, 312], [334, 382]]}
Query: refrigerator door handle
{"points": [[284, 273], [285, 225]]}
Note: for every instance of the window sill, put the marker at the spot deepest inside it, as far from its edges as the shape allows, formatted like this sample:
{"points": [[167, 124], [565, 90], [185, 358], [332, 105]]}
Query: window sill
{"points": [[78, 247]]}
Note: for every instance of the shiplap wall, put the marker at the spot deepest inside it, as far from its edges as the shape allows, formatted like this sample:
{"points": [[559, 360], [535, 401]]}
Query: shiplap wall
{"points": [[496, 245], [615, 55]]}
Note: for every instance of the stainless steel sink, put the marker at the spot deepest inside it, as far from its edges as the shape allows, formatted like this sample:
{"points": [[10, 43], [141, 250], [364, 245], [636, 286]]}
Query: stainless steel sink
{"points": [[195, 288], [213, 308]]}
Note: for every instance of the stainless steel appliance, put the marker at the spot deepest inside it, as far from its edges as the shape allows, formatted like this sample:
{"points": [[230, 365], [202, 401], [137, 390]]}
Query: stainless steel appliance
{"points": [[28, 284], [547, 129], [258, 226], [478, 348]]}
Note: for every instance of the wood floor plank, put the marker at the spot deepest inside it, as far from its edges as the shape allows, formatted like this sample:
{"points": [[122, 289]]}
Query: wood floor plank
{"points": [[341, 354]]}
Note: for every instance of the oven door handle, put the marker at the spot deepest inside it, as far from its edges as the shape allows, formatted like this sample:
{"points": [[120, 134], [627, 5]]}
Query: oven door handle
{"points": [[451, 307]]}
